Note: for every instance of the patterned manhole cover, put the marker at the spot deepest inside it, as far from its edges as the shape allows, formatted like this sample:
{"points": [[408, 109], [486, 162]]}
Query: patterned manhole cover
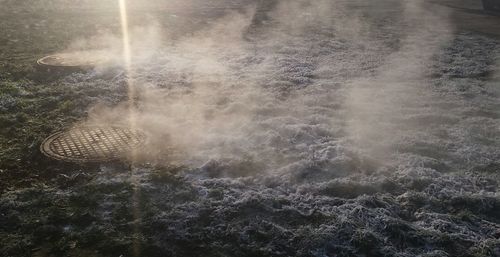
{"points": [[80, 59], [92, 144]]}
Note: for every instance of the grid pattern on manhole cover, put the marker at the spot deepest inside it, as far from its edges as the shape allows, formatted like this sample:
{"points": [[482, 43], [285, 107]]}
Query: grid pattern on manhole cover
{"points": [[92, 144]]}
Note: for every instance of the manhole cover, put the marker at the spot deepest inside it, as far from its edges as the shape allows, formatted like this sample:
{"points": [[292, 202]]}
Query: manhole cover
{"points": [[80, 59], [92, 144]]}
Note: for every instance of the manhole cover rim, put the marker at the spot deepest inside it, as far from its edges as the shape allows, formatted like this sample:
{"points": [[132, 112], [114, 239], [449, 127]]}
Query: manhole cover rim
{"points": [[46, 150], [64, 55]]}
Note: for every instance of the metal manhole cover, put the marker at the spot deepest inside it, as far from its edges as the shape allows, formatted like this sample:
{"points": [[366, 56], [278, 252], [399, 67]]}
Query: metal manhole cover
{"points": [[80, 59], [92, 144]]}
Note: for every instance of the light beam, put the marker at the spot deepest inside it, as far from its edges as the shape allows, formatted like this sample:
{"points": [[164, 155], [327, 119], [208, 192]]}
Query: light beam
{"points": [[127, 61]]}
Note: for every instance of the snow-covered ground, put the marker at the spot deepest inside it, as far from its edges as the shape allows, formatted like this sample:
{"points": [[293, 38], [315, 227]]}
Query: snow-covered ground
{"points": [[290, 128]]}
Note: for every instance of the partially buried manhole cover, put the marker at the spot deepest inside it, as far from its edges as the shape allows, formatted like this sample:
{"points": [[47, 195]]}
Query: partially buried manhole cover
{"points": [[79, 59], [92, 144]]}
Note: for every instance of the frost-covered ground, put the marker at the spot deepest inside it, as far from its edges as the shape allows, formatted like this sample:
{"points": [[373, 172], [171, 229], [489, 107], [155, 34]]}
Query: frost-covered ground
{"points": [[276, 128]]}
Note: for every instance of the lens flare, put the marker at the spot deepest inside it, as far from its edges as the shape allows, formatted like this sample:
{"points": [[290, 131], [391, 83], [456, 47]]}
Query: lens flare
{"points": [[127, 58], [126, 39], [127, 61]]}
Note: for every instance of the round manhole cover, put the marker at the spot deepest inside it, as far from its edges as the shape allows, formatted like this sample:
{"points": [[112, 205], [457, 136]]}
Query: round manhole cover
{"points": [[92, 144], [80, 59]]}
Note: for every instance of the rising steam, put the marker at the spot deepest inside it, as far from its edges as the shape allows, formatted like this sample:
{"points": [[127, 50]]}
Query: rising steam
{"points": [[217, 92]]}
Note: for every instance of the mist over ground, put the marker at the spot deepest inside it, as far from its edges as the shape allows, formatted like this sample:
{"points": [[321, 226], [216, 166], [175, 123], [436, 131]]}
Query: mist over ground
{"points": [[275, 128]]}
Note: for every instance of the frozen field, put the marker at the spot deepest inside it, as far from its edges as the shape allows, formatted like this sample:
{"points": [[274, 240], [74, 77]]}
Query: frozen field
{"points": [[275, 128]]}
